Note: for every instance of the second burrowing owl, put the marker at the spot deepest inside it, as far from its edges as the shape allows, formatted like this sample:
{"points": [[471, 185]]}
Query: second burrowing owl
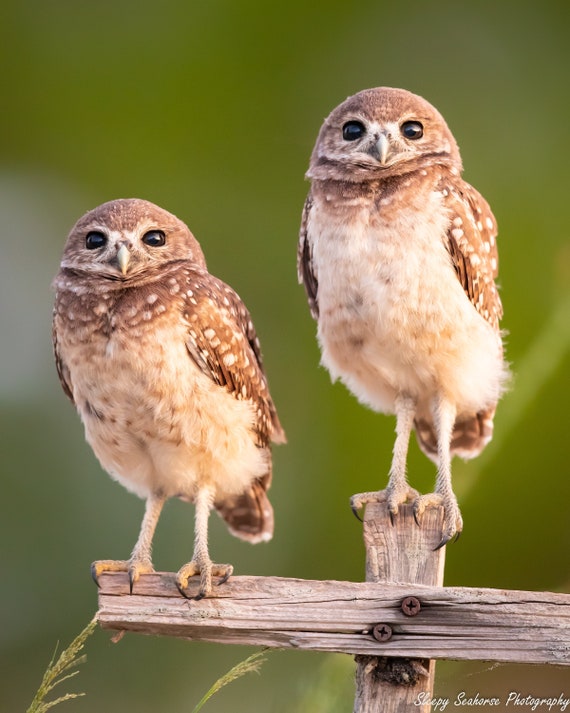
{"points": [[398, 256], [163, 365]]}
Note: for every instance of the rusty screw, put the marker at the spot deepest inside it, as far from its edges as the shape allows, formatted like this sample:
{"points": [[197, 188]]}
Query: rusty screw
{"points": [[411, 606], [382, 632]]}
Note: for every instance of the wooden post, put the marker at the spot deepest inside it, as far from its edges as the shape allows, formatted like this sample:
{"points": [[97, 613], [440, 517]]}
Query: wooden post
{"points": [[404, 553]]}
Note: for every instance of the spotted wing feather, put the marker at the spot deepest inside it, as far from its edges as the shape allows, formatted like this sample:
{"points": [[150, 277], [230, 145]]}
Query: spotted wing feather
{"points": [[305, 266], [223, 343], [472, 246]]}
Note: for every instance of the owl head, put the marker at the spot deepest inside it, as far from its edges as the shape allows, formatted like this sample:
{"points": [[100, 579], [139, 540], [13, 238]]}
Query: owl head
{"points": [[122, 239], [379, 133]]}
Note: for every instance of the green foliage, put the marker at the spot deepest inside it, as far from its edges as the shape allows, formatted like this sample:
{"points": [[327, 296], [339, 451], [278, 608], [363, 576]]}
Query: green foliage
{"points": [[251, 664], [61, 670], [65, 666]]}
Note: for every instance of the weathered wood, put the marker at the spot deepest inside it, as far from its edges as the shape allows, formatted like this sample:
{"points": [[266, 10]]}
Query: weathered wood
{"points": [[454, 622], [399, 551]]}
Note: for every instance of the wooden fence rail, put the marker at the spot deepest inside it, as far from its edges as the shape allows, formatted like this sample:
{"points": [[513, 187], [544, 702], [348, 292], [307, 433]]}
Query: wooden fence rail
{"points": [[391, 615]]}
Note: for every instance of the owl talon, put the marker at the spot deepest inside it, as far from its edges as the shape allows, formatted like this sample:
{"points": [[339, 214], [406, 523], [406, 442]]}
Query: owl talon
{"points": [[206, 570], [357, 501], [95, 575], [416, 519], [453, 522], [393, 497], [227, 575], [356, 513], [134, 567], [397, 496], [447, 538]]}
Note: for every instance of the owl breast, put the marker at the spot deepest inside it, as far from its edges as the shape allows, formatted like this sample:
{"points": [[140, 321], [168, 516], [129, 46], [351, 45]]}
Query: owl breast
{"points": [[154, 420], [393, 316]]}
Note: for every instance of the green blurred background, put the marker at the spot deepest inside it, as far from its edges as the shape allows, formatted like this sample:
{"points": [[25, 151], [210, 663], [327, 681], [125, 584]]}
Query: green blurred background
{"points": [[210, 109]]}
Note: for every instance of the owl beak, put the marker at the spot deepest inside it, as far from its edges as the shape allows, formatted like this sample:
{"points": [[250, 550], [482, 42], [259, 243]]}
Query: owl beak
{"points": [[123, 258], [382, 147]]}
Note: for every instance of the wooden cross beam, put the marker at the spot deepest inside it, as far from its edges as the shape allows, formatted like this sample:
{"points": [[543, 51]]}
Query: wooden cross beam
{"points": [[396, 624], [348, 617]]}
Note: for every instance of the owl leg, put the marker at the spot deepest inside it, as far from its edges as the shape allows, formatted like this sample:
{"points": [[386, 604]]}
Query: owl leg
{"points": [[397, 491], [140, 561], [201, 563], [444, 421]]}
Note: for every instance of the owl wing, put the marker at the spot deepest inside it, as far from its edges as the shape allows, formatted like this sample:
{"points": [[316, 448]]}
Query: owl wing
{"points": [[223, 343], [305, 266], [471, 242], [62, 370]]}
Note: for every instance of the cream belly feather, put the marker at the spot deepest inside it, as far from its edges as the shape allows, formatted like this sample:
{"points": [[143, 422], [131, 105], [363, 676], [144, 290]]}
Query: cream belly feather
{"points": [[394, 318], [172, 429]]}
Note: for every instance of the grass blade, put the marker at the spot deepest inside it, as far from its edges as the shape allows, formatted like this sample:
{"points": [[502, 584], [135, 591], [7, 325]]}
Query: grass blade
{"points": [[249, 665], [56, 671]]}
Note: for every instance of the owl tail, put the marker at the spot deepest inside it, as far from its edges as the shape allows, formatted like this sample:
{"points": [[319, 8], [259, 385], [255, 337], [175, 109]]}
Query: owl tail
{"points": [[249, 516], [470, 435]]}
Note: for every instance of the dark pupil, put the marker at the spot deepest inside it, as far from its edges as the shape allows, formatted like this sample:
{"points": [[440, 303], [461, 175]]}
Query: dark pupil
{"points": [[154, 238], [353, 130], [412, 130], [95, 240]]}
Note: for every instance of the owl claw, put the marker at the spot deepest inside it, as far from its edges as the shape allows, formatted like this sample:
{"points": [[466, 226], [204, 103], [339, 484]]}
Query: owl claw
{"points": [[453, 522], [134, 567], [206, 570], [360, 499], [393, 497], [355, 513], [447, 538], [416, 519], [226, 576], [95, 575]]}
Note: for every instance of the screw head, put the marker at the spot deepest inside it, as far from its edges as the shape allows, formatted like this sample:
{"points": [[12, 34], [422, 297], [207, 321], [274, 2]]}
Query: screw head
{"points": [[382, 632], [411, 606]]}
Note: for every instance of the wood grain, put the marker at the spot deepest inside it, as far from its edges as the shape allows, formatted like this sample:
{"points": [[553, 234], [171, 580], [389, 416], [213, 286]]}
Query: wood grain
{"points": [[399, 550], [454, 622]]}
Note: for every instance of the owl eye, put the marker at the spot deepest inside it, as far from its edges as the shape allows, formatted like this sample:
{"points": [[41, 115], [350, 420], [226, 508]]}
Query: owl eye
{"points": [[154, 238], [412, 130], [353, 130], [95, 239]]}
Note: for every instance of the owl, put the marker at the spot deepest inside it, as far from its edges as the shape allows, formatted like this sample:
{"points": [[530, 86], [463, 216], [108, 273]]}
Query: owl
{"points": [[398, 256], [162, 362]]}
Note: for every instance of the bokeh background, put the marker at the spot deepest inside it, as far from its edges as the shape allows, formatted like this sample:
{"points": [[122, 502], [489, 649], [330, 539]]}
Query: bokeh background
{"points": [[210, 109]]}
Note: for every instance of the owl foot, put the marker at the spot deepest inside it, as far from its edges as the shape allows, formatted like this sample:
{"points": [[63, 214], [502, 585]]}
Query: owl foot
{"points": [[206, 570], [393, 497], [453, 522], [135, 567]]}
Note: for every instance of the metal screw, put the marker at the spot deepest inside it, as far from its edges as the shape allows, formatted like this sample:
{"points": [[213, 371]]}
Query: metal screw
{"points": [[411, 606], [382, 632]]}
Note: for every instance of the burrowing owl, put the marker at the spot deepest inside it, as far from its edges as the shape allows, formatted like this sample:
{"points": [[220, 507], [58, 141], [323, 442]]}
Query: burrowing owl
{"points": [[398, 257], [164, 367]]}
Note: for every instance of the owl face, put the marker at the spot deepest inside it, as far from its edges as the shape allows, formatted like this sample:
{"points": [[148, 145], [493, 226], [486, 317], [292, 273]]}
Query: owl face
{"points": [[379, 133], [123, 239]]}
